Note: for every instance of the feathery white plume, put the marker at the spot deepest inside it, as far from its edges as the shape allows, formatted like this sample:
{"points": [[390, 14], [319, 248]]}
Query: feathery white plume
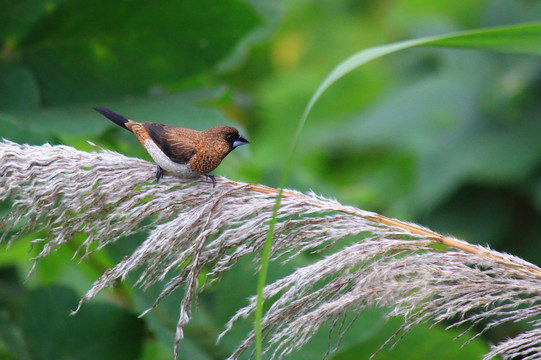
{"points": [[421, 275]]}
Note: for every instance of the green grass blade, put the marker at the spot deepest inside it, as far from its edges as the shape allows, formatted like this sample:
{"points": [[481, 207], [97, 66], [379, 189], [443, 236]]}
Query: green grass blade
{"points": [[520, 39], [262, 278]]}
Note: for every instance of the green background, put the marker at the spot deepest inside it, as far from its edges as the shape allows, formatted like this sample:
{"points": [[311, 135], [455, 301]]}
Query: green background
{"points": [[447, 138]]}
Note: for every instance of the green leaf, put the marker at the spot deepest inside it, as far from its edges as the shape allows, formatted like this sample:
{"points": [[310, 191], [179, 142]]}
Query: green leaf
{"points": [[180, 109], [483, 153], [13, 130], [455, 122], [18, 16], [98, 331], [423, 342], [360, 327], [162, 320], [17, 87], [11, 294], [98, 50]]}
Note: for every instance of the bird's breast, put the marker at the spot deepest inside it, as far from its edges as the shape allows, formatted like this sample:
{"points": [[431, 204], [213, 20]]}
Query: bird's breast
{"points": [[205, 161]]}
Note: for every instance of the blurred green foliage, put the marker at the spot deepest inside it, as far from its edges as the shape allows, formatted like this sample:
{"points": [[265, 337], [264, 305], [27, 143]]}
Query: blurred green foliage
{"points": [[447, 138]]}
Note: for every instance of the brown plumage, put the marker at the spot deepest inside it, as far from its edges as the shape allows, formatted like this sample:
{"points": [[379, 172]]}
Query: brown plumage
{"points": [[184, 152]]}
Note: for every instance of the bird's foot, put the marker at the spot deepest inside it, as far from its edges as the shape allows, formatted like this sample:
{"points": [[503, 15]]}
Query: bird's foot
{"points": [[212, 178], [159, 173]]}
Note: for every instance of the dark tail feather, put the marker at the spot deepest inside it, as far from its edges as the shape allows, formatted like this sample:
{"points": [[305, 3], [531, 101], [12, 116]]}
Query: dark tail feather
{"points": [[115, 117]]}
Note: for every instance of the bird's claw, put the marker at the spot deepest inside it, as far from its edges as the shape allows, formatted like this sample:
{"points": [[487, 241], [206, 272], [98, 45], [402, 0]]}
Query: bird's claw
{"points": [[159, 173], [212, 178]]}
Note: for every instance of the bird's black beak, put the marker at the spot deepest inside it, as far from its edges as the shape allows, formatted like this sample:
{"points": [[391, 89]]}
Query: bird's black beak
{"points": [[240, 141]]}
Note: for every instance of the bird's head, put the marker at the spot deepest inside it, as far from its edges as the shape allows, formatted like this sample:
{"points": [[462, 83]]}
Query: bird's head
{"points": [[225, 138]]}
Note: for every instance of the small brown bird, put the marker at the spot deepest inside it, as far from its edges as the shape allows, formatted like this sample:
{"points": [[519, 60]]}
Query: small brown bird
{"points": [[183, 152]]}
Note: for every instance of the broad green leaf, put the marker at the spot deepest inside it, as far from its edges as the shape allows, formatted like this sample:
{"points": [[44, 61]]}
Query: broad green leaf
{"points": [[536, 189], [360, 327], [484, 153], [458, 125], [162, 320], [271, 13], [17, 87], [80, 50], [13, 130], [180, 109], [11, 294], [423, 342], [98, 331], [18, 16]]}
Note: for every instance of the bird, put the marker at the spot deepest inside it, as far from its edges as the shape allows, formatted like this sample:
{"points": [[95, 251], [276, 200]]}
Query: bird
{"points": [[184, 152]]}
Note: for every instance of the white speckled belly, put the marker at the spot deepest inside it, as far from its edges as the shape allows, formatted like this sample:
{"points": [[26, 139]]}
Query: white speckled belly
{"points": [[167, 164]]}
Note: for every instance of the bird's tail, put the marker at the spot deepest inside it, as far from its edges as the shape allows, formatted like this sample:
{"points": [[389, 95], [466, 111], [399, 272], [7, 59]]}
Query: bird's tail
{"points": [[115, 117]]}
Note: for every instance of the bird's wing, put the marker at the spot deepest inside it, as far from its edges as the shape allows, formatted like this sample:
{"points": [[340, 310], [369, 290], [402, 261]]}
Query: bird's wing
{"points": [[165, 137]]}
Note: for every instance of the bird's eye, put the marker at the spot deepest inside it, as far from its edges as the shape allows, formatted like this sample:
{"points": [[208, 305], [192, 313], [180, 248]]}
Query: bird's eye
{"points": [[230, 137]]}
